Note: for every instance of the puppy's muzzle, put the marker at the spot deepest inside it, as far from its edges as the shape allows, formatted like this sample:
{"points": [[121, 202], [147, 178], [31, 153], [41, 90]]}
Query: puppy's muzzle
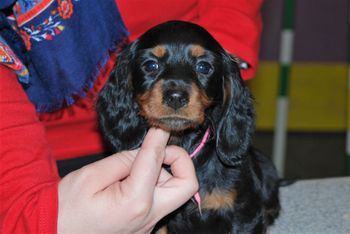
{"points": [[173, 107]]}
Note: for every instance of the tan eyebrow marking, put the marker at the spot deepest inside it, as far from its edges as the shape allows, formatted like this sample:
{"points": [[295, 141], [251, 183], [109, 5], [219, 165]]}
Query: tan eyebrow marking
{"points": [[197, 51], [159, 51]]}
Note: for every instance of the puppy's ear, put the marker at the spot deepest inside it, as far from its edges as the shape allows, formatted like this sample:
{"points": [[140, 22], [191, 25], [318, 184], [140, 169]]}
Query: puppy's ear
{"points": [[235, 129], [118, 113]]}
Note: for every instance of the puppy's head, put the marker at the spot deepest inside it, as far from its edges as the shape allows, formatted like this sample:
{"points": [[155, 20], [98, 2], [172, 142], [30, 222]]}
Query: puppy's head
{"points": [[176, 76]]}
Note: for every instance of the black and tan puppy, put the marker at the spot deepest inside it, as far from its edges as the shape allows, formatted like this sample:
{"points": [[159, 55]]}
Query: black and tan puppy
{"points": [[177, 77]]}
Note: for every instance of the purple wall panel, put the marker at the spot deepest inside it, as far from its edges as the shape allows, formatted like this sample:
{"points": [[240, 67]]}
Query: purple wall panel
{"points": [[272, 23], [321, 31]]}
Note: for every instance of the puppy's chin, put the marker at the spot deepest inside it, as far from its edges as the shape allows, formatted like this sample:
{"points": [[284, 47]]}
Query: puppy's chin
{"points": [[172, 124]]}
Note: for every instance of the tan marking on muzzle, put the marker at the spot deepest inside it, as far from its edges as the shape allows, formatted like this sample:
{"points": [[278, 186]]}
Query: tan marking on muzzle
{"points": [[153, 109], [197, 104], [151, 102]]}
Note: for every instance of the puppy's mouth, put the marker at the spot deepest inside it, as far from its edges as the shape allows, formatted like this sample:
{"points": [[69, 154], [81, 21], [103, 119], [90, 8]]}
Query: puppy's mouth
{"points": [[172, 123]]}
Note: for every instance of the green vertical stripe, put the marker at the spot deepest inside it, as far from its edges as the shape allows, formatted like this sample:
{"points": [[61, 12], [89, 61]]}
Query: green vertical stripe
{"points": [[348, 164], [288, 23], [284, 77], [288, 14]]}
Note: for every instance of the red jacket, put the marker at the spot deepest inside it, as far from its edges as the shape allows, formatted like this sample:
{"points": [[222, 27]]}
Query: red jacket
{"points": [[29, 144]]}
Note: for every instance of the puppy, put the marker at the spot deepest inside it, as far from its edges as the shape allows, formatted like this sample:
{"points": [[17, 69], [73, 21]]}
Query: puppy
{"points": [[177, 77]]}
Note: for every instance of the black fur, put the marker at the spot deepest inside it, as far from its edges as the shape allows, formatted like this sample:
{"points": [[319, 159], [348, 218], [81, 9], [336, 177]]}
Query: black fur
{"points": [[118, 112], [227, 163]]}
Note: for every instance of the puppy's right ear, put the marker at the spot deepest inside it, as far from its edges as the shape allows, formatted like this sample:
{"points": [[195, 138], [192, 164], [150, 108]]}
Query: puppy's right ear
{"points": [[117, 111]]}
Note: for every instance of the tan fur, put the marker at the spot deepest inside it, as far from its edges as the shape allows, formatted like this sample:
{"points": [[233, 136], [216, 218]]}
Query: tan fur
{"points": [[197, 51], [219, 200], [152, 108], [162, 230], [159, 51]]}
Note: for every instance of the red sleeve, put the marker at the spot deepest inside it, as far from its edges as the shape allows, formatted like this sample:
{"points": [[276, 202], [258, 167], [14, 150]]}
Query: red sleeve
{"points": [[237, 25], [28, 175]]}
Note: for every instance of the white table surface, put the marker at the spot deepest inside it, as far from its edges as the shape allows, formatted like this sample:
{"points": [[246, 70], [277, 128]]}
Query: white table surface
{"points": [[319, 206]]}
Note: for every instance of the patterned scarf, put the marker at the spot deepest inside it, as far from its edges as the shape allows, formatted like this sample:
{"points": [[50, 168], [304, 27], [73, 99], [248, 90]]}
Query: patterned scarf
{"points": [[57, 47]]}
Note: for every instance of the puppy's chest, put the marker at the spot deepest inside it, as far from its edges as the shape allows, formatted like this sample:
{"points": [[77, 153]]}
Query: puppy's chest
{"points": [[216, 181], [217, 199]]}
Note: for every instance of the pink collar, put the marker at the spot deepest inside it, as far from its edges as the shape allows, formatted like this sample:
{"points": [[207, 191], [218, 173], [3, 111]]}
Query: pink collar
{"points": [[201, 145], [205, 138]]}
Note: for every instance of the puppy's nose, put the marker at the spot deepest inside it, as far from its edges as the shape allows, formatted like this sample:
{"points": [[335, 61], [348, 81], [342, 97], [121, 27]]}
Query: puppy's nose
{"points": [[176, 98]]}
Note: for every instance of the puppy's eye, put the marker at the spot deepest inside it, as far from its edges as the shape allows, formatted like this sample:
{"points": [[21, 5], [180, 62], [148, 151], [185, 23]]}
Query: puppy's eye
{"points": [[151, 66], [203, 68]]}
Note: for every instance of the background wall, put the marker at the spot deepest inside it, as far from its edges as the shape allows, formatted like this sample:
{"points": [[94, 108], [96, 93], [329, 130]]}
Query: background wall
{"points": [[318, 86]]}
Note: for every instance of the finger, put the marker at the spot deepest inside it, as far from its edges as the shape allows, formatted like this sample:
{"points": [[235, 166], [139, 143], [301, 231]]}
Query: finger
{"points": [[107, 171], [175, 157], [147, 165], [163, 177], [180, 187], [170, 153]]}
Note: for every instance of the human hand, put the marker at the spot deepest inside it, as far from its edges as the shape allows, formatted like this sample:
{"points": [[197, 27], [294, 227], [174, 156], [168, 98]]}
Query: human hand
{"points": [[128, 192]]}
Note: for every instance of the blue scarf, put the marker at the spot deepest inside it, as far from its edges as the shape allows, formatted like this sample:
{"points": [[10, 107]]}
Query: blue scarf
{"points": [[60, 46]]}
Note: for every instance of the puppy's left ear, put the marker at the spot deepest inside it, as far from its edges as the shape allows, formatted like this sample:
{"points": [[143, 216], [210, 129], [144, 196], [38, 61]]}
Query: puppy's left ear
{"points": [[235, 129]]}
